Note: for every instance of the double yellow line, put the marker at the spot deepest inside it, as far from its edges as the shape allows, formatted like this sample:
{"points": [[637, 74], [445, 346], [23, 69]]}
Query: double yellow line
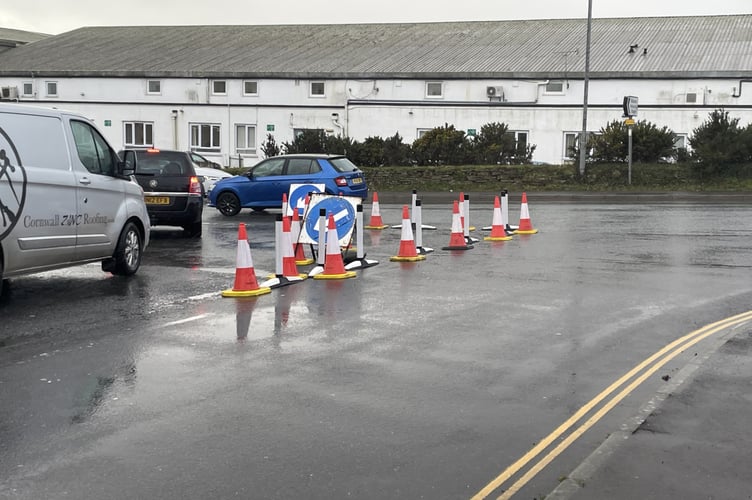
{"points": [[645, 369]]}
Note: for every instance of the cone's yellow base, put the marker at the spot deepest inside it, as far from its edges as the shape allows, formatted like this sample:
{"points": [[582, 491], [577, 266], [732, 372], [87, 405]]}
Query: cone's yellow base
{"points": [[397, 258], [348, 274], [299, 275], [246, 293], [376, 227], [529, 231], [497, 238], [304, 262]]}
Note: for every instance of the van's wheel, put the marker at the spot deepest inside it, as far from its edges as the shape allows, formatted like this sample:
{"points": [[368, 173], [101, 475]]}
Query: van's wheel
{"points": [[127, 255], [193, 230], [228, 204]]}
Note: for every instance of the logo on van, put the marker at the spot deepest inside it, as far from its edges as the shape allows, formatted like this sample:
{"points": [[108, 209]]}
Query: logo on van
{"points": [[12, 185]]}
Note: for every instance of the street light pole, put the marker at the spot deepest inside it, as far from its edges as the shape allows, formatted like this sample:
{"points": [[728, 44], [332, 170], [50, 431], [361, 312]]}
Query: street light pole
{"points": [[583, 134]]}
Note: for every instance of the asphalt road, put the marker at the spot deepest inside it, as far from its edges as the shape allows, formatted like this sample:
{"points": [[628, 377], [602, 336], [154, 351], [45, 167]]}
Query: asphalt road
{"points": [[419, 380]]}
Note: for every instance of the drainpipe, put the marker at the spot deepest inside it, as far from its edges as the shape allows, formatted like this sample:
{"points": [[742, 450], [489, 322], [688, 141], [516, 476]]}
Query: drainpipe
{"points": [[174, 129], [740, 88]]}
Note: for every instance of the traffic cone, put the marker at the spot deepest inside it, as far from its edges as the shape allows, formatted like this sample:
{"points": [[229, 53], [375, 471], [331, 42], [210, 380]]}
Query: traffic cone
{"points": [[525, 227], [334, 266], [289, 266], [457, 239], [245, 277], [408, 252], [498, 232], [284, 204], [300, 258], [375, 222]]}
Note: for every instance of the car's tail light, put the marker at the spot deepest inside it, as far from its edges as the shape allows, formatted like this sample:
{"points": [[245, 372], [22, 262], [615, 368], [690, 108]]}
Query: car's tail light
{"points": [[195, 186], [340, 181]]}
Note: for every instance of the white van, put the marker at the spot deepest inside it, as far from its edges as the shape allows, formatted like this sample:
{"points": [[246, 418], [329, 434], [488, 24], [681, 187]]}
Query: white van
{"points": [[65, 196]]}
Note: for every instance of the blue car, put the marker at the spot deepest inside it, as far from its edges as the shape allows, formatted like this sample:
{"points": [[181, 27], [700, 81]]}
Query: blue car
{"points": [[263, 186]]}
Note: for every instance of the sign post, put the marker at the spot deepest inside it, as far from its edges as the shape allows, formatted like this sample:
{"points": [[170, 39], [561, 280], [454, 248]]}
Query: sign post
{"points": [[630, 111]]}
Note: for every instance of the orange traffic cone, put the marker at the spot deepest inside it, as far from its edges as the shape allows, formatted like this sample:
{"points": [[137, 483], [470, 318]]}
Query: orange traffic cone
{"points": [[457, 239], [334, 266], [289, 265], [408, 252], [525, 227], [300, 258], [375, 222], [498, 232], [245, 277]]}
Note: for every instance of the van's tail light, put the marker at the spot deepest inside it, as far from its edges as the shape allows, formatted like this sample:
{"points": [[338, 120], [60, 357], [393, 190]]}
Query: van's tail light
{"points": [[195, 186], [340, 181]]}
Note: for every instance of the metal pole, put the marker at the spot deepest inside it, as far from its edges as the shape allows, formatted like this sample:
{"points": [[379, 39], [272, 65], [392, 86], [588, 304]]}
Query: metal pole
{"points": [[583, 134], [629, 146]]}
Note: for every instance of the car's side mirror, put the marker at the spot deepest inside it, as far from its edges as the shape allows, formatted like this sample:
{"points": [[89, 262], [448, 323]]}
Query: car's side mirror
{"points": [[127, 166]]}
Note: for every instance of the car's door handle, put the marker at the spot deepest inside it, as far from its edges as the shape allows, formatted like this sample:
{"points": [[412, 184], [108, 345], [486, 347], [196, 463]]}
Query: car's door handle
{"points": [[84, 180]]}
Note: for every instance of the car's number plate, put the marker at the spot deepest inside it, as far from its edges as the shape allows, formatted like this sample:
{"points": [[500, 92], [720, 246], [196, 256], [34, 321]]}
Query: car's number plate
{"points": [[157, 200], [357, 180]]}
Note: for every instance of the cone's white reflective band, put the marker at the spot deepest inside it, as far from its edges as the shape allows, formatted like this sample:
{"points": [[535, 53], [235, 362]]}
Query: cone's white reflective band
{"points": [[497, 217], [375, 209], [360, 252], [320, 258], [504, 210], [418, 216], [524, 212], [244, 260], [295, 230], [456, 224], [407, 230], [332, 242], [286, 242]]}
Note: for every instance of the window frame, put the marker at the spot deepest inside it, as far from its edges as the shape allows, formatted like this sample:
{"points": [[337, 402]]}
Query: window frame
{"points": [[246, 127], [548, 91], [214, 84], [215, 133], [47, 86], [134, 125], [250, 94], [323, 88], [430, 83], [23, 89], [149, 91]]}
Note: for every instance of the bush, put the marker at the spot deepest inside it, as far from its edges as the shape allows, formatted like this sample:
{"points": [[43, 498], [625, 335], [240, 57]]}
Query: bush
{"points": [[649, 143], [719, 144]]}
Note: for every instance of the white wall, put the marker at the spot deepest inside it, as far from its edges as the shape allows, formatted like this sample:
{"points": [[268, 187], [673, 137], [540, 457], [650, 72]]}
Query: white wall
{"points": [[381, 107]]}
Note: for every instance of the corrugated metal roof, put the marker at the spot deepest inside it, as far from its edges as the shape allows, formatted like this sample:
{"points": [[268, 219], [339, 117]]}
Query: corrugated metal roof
{"points": [[685, 47]]}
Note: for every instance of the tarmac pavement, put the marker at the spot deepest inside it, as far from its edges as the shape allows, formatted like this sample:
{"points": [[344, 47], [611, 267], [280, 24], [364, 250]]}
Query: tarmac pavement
{"points": [[671, 451]]}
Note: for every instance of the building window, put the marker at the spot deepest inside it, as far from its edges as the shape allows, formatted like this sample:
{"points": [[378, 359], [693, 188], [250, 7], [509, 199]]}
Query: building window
{"points": [[691, 97], [219, 87], [138, 134], [571, 139], [434, 89], [154, 87], [205, 136], [51, 89], [28, 89], [555, 87], [422, 131], [245, 138], [250, 88], [318, 89], [680, 141]]}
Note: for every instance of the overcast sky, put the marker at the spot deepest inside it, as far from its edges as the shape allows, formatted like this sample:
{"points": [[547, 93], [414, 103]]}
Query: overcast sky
{"points": [[58, 16]]}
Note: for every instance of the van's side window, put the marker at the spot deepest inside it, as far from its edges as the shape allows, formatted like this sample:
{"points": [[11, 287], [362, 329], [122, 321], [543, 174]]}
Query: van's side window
{"points": [[93, 150]]}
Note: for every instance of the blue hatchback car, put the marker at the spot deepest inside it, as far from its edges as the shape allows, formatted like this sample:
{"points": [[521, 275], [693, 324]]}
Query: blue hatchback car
{"points": [[264, 184]]}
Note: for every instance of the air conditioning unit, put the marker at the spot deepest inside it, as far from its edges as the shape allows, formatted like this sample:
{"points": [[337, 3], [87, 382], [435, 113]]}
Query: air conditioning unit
{"points": [[8, 93], [495, 91]]}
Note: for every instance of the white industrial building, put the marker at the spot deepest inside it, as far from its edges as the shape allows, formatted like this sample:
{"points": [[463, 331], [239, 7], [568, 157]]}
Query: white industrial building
{"points": [[220, 90]]}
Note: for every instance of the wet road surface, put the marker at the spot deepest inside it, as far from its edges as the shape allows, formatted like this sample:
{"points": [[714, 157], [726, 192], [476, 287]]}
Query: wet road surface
{"points": [[418, 380]]}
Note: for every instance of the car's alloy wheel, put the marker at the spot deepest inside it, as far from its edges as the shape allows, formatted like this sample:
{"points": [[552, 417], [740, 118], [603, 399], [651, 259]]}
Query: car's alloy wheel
{"points": [[128, 253], [228, 204]]}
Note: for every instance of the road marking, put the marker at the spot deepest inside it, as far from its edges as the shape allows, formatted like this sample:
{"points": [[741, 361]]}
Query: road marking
{"points": [[668, 353], [187, 320]]}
